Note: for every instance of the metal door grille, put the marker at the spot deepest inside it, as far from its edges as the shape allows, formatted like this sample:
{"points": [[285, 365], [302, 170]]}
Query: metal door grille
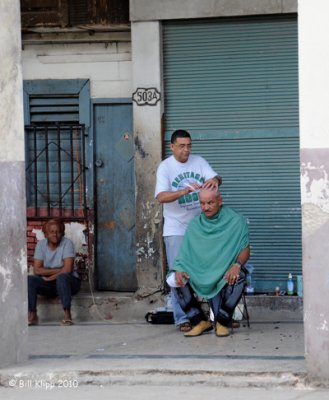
{"points": [[55, 172]]}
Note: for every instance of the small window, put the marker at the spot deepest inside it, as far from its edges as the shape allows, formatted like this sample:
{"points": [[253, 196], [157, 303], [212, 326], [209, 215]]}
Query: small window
{"points": [[56, 126], [55, 171]]}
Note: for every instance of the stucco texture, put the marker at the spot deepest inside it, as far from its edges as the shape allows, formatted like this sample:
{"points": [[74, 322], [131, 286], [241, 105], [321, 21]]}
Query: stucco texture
{"points": [[13, 270], [11, 94]]}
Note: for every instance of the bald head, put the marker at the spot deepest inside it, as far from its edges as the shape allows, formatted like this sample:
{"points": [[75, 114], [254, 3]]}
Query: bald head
{"points": [[210, 202]]}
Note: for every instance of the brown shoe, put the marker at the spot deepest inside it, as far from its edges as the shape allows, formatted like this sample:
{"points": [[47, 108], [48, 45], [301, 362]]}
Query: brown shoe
{"points": [[221, 330], [197, 330]]}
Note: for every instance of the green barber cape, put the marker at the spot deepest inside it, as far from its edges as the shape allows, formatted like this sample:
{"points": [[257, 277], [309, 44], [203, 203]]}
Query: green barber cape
{"points": [[210, 247]]}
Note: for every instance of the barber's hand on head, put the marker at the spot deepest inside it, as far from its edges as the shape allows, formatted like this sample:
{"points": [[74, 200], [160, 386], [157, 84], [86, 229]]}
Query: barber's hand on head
{"points": [[179, 277], [232, 275], [211, 184]]}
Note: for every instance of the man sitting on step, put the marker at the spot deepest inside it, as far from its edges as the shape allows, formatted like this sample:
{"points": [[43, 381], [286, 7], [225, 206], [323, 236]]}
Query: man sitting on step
{"points": [[210, 264], [54, 271]]}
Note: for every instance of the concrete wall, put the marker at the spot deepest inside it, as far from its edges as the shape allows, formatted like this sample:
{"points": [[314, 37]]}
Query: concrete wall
{"points": [[314, 128], [107, 65], [146, 52], [150, 10], [13, 281]]}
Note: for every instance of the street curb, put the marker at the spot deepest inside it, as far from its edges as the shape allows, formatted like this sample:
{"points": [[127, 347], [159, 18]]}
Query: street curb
{"points": [[154, 377]]}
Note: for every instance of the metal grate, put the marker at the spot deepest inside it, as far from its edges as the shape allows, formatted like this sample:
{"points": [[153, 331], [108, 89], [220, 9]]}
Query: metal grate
{"points": [[55, 172]]}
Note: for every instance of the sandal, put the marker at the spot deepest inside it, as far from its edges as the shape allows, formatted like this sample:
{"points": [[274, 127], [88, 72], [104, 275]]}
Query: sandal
{"points": [[185, 327], [235, 324], [33, 322], [66, 322]]}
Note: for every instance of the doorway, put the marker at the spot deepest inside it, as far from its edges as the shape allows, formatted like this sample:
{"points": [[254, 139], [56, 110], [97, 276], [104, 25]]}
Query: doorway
{"points": [[114, 197]]}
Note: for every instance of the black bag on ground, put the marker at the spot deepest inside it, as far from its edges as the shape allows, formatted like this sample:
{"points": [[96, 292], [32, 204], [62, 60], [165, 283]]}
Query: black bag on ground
{"points": [[160, 317]]}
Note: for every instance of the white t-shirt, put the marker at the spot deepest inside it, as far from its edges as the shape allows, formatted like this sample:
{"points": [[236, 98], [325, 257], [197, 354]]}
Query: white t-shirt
{"points": [[173, 175]]}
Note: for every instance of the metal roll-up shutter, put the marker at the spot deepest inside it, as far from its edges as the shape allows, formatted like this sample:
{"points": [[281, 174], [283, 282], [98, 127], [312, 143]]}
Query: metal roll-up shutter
{"points": [[233, 84]]}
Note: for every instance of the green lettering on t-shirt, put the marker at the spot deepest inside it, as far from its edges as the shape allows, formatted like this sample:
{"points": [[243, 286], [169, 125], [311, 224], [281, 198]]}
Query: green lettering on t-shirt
{"points": [[188, 198], [181, 200], [195, 196]]}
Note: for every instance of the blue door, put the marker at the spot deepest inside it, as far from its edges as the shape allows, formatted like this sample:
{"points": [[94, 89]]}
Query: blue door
{"points": [[115, 197]]}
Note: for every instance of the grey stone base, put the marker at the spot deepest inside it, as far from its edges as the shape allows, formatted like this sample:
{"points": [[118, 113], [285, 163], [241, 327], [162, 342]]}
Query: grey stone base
{"points": [[119, 307]]}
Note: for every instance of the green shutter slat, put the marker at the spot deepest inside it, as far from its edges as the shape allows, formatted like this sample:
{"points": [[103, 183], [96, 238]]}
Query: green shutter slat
{"points": [[233, 83], [40, 100], [48, 117], [54, 108]]}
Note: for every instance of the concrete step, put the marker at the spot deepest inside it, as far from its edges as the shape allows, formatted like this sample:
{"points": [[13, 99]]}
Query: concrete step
{"points": [[170, 378], [120, 307]]}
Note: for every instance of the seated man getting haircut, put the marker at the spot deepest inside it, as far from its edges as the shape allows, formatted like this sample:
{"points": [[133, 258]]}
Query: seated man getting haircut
{"points": [[211, 258]]}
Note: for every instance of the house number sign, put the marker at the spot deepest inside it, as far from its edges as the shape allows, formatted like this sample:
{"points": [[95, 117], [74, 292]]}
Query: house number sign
{"points": [[146, 97]]}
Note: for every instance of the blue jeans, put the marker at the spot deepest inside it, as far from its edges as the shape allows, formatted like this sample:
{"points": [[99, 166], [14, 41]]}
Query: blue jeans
{"points": [[188, 304], [64, 286], [172, 244], [224, 303]]}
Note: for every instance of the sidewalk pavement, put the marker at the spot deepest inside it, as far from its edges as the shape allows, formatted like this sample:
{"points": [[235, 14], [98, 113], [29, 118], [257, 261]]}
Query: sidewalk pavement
{"points": [[268, 354], [120, 355]]}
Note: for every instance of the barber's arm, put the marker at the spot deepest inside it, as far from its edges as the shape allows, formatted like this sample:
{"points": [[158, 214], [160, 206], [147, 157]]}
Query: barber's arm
{"points": [[232, 274], [169, 197]]}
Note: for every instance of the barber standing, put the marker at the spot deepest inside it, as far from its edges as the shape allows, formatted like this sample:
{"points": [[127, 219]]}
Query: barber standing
{"points": [[178, 181]]}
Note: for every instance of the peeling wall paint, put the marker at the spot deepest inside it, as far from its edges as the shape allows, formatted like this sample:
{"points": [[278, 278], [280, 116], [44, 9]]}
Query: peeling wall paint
{"points": [[315, 178], [314, 189], [147, 249], [7, 283], [323, 324], [148, 233]]}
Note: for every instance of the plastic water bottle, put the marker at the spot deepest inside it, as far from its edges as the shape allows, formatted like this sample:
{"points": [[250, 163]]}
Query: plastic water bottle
{"points": [[290, 285], [249, 288]]}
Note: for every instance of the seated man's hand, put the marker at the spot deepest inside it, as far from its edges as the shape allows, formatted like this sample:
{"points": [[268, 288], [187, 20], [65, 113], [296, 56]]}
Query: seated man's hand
{"points": [[50, 278], [232, 275], [181, 278]]}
